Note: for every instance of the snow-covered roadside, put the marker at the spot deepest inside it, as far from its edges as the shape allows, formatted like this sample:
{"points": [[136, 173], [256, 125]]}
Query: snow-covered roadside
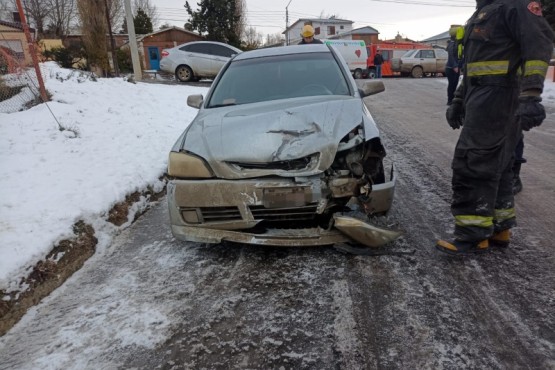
{"points": [[115, 139]]}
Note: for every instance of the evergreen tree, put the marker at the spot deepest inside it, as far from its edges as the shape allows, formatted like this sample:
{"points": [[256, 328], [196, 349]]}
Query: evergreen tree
{"points": [[219, 20], [142, 22]]}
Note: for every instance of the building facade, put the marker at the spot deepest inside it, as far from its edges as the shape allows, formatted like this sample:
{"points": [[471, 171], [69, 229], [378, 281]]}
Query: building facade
{"points": [[13, 42], [324, 28]]}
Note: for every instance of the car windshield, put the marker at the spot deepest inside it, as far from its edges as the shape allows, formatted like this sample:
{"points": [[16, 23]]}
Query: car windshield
{"points": [[279, 77]]}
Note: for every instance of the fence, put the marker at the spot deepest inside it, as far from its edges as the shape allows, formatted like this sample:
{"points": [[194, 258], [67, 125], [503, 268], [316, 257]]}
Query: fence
{"points": [[19, 86]]}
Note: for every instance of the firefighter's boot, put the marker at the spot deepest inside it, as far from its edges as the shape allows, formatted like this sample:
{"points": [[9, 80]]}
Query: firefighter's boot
{"points": [[500, 238], [462, 248], [517, 183]]}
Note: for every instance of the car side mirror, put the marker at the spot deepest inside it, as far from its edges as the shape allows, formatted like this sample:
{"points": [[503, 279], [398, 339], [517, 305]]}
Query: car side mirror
{"points": [[371, 88], [195, 101]]}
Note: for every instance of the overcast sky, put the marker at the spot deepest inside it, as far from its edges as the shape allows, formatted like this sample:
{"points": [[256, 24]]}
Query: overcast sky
{"points": [[415, 19]]}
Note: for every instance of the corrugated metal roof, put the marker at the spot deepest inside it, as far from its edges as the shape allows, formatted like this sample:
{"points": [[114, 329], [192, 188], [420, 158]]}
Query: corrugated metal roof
{"points": [[441, 36]]}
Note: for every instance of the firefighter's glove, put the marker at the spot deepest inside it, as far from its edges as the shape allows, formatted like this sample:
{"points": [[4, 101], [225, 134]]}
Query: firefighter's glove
{"points": [[455, 113], [530, 112]]}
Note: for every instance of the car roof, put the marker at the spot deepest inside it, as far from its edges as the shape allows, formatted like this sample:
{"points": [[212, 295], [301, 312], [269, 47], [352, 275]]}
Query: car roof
{"points": [[283, 50], [208, 42]]}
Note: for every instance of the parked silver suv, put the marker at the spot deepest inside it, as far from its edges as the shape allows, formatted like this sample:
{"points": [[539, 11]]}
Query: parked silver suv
{"points": [[195, 60]]}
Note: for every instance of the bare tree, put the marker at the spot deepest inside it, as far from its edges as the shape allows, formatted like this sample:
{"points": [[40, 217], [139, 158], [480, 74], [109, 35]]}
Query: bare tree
{"points": [[251, 39], [7, 7], [61, 15], [116, 10], [149, 9], [94, 29], [164, 26], [37, 11], [274, 39]]}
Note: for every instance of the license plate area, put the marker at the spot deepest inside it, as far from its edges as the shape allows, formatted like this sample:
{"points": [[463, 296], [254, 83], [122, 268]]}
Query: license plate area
{"points": [[285, 197]]}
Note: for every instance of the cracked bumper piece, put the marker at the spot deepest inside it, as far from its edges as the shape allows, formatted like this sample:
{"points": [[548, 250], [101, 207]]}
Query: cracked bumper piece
{"points": [[212, 211]]}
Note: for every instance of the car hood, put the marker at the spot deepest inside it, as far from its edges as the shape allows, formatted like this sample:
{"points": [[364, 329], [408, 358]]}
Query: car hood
{"points": [[278, 131]]}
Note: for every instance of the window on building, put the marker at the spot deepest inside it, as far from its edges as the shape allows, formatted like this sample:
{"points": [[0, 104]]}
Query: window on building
{"points": [[341, 27], [331, 30], [317, 31]]}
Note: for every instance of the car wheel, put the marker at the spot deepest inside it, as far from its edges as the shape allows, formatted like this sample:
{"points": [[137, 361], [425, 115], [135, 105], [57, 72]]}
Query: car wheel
{"points": [[417, 72], [358, 74], [184, 74], [371, 73]]}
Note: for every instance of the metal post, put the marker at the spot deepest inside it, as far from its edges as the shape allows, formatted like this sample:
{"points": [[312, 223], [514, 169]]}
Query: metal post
{"points": [[32, 50], [287, 23], [133, 42]]}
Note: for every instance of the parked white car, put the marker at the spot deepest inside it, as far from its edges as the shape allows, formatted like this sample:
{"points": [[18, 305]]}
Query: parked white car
{"points": [[195, 60]]}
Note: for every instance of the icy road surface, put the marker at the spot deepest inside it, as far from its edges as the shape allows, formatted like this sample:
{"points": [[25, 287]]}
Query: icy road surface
{"points": [[151, 302]]}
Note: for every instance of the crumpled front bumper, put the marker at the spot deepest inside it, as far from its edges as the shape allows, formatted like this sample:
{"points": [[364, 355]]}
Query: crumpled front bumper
{"points": [[212, 211]]}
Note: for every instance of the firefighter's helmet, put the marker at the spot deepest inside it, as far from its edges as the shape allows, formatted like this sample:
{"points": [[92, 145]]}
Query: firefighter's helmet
{"points": [[308, 31]]}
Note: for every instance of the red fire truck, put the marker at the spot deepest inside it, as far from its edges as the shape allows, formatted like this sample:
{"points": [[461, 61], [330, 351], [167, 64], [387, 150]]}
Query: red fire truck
{"points": [[389, 50]]}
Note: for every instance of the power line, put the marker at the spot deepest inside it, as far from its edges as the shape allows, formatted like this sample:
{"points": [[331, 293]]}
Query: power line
{"points": [[426, 3]]}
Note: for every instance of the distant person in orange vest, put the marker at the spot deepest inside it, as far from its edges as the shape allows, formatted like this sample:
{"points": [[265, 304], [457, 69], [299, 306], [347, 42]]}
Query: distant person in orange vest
{"points": [[308, 36], [378, 61]]}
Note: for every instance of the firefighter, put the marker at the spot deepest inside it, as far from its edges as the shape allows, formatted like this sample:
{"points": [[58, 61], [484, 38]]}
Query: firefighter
{"points": [[507, 45], [452, 67], [308, 35]]}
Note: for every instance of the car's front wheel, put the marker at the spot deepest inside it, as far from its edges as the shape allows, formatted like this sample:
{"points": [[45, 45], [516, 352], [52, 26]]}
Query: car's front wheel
{"points": [[358, 74], [184, 74]]}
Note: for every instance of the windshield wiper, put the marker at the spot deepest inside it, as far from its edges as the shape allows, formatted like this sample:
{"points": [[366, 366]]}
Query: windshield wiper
{"points": [[222, 105]]}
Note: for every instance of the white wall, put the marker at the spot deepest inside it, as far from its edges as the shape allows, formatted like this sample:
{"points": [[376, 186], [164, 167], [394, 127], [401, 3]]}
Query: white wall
{"points": [[295, 31]]}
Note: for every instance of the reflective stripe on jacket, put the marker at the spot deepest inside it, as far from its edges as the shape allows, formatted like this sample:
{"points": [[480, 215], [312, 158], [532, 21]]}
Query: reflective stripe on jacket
{"points": [[508, 37]]}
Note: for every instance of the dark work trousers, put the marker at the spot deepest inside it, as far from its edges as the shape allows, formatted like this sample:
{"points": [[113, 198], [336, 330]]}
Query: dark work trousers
{"points": [[519, 151], [482, 164], [452, 82]]}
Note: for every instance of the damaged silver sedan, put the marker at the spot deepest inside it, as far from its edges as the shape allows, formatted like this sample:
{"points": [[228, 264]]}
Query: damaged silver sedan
{"points": [[282, 152]]}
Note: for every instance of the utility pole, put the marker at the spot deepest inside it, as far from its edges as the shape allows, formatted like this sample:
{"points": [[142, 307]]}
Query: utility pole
{"points": [[287, 23], [33, 52], [133, 42]]}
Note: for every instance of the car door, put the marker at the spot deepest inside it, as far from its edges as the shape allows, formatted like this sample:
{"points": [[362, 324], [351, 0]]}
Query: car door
{"points": [[220, 55], [197, 56], [428, 60]]}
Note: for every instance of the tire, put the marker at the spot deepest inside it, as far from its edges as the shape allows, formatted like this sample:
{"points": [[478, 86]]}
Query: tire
{"points": [[417, 72], [371, 73], [358, 74], [184, 74]]}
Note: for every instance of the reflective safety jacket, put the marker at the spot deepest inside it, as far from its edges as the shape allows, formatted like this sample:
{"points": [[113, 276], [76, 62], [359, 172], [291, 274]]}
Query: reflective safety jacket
{"points": [[506, 41]]}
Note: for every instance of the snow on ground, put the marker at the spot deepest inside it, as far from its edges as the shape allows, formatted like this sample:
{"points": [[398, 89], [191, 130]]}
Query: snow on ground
{"points": [[115, 140]]}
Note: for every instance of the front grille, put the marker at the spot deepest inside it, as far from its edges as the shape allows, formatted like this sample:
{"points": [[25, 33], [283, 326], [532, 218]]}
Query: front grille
{"points": [[297, 164], [283, 214], [220, 214]]}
